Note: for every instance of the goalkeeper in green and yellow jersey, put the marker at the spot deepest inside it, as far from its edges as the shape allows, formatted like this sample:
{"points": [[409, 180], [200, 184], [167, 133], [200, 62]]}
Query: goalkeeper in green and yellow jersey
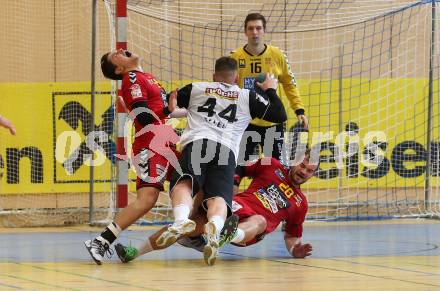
{"points": [[255, 58]]}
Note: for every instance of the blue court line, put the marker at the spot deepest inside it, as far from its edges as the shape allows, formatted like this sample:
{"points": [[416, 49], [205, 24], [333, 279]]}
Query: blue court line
{"points": [[84, 276], [334, 269]]}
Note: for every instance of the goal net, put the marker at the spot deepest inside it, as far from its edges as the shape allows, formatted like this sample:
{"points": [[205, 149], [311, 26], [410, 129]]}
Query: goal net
{"points": [[367, 72], [45, 91]]}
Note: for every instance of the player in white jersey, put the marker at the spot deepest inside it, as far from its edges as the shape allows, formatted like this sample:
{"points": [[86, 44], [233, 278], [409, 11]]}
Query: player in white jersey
{"points": [[218, 114]]}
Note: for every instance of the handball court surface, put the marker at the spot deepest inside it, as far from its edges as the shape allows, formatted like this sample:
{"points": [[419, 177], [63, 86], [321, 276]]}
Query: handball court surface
{"points": [[395, 254]]}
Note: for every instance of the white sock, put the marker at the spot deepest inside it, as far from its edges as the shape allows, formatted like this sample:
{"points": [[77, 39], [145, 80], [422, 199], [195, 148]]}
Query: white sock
{"points": [[218, 221], [115, 228], [181, 213], [239, 236], [145, 247]]}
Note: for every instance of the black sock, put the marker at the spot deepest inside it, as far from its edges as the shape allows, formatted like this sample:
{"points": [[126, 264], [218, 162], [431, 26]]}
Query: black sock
{"points": [[111, 233]]}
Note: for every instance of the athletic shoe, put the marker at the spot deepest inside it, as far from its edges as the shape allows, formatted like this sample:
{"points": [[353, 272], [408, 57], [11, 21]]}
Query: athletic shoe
{"points": [[126, 254], [97, 250], [174, 232], [210, 251], [229, 230], [197, 243]]}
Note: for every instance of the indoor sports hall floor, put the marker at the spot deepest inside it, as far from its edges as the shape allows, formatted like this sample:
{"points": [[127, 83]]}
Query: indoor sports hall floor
{"points": [[369, 255]]}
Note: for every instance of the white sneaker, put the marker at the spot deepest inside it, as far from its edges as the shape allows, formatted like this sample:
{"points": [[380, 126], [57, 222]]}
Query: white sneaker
{"points": [[210, 251], [97, 249], [174, 232]]}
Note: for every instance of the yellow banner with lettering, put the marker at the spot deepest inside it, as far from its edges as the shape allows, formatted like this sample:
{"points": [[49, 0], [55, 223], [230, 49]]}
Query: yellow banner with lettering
{"points": [[387, 120]]}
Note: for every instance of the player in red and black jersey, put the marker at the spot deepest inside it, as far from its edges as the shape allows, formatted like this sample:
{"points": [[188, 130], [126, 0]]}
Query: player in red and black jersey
{"points": [[153, 147], [274, 195]]}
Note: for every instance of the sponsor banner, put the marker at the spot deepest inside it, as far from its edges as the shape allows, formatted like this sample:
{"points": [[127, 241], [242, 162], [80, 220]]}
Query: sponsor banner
{"points": [[381, 135], [51, 151], [380, 132]]}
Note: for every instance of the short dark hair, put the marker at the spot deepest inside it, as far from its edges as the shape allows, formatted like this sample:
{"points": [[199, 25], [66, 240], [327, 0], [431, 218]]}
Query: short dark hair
{"points": [[225, 64], [108, 68], [254, 16]]}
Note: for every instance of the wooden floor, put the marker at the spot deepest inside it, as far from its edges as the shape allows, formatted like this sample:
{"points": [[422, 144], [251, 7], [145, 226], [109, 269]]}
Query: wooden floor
{"points": [[372, 255]]}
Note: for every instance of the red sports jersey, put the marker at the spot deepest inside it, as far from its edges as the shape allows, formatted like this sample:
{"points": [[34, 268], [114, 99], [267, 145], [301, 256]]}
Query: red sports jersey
{"points": [[271, 195], [143, 87], [153, 146]]}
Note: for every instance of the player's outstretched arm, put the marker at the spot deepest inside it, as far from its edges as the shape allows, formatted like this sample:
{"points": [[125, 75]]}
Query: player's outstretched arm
{"points": [[296, 248], [4, 122]]}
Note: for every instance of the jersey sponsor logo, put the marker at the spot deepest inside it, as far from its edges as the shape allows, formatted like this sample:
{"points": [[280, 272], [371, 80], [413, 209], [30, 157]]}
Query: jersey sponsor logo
{"points": [[248, 83], [136, 91], [230, 95], [289, 192], [267, 200], [241, 63], [132, 77], [278, 196]]}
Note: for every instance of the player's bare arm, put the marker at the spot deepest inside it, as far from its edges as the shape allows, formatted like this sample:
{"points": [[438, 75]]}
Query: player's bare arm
{"points": [[6, 123], [296, 248]]}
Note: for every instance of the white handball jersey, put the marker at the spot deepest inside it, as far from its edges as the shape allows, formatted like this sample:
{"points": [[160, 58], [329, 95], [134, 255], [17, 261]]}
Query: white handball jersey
{"points": [[218, 112]]}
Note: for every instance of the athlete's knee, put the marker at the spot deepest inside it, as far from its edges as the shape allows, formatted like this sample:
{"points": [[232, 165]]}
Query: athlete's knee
{"points": [[260, 222], [215, 201], [183, 185], [146, 198], [184, 182]]}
